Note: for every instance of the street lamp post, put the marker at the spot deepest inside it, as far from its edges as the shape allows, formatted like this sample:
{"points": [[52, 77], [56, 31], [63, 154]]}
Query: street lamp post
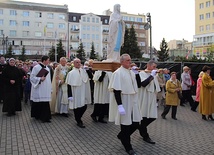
{"points": [[147, 26]]}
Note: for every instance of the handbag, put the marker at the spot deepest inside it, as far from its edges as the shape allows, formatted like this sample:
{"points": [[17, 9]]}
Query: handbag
{"points": [[180, 96]]}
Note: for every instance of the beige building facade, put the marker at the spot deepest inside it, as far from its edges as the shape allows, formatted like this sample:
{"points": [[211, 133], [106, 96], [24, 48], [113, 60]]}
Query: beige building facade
{"points": [[33, 25], [204, 27]]}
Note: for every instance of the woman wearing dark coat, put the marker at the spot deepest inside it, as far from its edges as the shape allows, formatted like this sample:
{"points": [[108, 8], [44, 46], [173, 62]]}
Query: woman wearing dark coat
{"points": [[11, 77]]}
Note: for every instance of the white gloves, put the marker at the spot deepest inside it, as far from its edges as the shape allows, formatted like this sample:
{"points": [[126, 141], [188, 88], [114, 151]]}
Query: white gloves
{"points": [[86, 67], [121, 110], [71, 99], [153, 73], [135, 69]]}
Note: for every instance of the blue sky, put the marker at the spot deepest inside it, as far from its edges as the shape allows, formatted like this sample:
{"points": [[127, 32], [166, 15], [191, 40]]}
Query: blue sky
{"points": [[171, 19]]}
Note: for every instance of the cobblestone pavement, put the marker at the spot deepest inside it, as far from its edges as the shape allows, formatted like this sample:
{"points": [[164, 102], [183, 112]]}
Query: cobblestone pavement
{"points": [[20, 135]]}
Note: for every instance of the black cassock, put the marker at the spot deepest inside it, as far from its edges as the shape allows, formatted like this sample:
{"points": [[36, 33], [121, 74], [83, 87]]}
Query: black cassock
{"points": [[12, 100]]}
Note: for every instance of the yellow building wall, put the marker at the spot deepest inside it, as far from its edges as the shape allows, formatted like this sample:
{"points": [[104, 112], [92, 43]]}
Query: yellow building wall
{"points": [[203, 11]]}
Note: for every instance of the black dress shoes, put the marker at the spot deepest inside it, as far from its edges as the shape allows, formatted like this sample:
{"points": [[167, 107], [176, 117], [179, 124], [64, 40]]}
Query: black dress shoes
{"points": [[64, 115], [131, 152], [94, 118], [102, 121], [211, 117], [80, 125], [174, 118], [164, 117], [204, 117], [148, 140], [47, 121]]}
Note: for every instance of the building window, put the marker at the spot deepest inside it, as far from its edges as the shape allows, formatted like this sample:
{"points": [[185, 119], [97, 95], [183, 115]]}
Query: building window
{"points": [[84, 36], [1, 11], [88, 19], [97, 28], [74, 18], [50, 15], [88, 36], [106, 21], [50, 34], [125, 18], [208, 27], [201, 5], [97, 37], [1, 21], [88, 28], [136, 26], [132, 19], [202, 17], [84, 27], [141, 26], [139, 20], [12, 23], [74, 28], [142, 44], [201, 28], [12, 33], [61, 26], [26, 14], [97, 20], [207, 15], [50, 25], [88, 45], [13, 12], [93, 28], [61, 16], [83, 19], [25, 23], [25, 33], [208, 4], [93, 20], [1, 32], [93, 36], [38, 34], [38, 24], [38, 15]]}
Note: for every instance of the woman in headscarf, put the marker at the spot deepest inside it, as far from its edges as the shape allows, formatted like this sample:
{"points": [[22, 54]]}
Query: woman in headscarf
{"points": [[11, 78]]}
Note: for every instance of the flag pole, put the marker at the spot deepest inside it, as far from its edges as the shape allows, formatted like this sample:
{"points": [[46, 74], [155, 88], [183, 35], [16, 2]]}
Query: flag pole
{"points": [[55, 48]]}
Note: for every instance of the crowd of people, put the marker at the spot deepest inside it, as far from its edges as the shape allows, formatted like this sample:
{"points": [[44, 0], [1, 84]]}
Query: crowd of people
{"points": [[128, 96]]}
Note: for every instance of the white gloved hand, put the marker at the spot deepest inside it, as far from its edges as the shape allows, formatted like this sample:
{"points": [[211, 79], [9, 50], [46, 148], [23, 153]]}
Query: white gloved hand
{"points": [[71, 99], [86, 67], [121, 110], [135, 69], [153, 73]]}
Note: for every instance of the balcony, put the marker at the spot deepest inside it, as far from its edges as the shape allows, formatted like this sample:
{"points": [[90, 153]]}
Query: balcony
{"points": [[106, 31], [75, 30]]}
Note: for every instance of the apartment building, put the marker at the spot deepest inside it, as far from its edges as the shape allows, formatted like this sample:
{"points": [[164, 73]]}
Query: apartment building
{"points": [[88, 28], [33, 25], [204, 27]]}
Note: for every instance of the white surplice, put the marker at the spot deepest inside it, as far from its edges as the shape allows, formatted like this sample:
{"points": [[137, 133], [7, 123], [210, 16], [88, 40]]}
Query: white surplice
{"points": [[124, 80], [79, 82], [40, 91], [148, 96], [101, 92]]}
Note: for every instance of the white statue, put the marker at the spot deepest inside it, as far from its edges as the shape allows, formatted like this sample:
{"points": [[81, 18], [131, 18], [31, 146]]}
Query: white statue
{"points": [[116, 35]]}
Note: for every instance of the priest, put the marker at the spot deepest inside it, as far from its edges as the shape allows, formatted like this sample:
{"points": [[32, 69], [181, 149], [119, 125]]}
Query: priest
{"points": [[41, 91], [59, 102], [79, 94]]}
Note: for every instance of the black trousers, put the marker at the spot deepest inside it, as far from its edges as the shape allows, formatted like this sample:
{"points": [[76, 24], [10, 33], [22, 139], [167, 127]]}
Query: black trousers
{"points": [[166, 111], [100, 110], [195, 105], [143, 126], [126, 132], [78, 113], [41, 111], [187, 95]]}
